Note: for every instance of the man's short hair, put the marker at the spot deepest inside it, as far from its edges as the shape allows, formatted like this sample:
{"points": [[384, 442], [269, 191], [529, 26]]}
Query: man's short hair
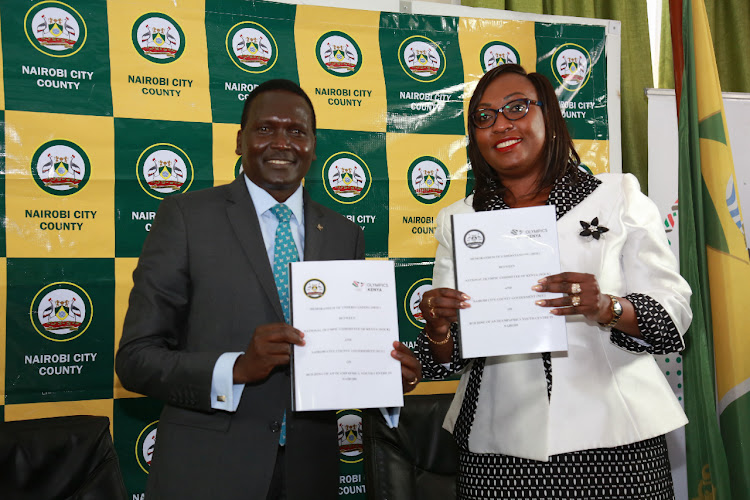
{"points": [[277, 84]]}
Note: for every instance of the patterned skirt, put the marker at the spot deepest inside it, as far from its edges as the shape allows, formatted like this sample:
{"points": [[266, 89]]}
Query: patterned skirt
{"points": [[635, 471]]}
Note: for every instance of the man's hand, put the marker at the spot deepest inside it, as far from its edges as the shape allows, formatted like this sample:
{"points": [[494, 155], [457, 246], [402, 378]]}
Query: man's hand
{"points": [[411, 368], [270, 347]]}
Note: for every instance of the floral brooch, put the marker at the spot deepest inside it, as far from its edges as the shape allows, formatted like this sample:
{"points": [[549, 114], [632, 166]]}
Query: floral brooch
{"points": [[593, 228]]}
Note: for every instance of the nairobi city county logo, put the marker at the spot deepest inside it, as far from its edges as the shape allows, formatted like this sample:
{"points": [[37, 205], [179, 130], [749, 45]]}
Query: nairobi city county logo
{"points": [[158, 38], [61, 311], [421, 58], [413, 298], [571, 65], [252, 47], [164, 169], [428, 179], [55, 29], [346, 177], [338, 54], [351, 447], [474, 238], [144, 446], [60, 167], [498, 53], [314, 288]]}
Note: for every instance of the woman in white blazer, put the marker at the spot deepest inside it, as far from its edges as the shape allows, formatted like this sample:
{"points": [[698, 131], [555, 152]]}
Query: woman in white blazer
{"points": [[588, 422]]}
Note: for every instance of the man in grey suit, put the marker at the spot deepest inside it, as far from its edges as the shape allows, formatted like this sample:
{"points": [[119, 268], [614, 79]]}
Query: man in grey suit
{"points": [[205, 329]]}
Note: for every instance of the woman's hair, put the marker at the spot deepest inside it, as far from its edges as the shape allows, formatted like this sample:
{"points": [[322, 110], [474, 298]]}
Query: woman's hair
{"points": [[560, 156]]}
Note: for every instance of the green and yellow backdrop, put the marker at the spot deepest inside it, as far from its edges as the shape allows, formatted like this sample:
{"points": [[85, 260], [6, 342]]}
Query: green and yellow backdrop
{"points": [[108, 107]]}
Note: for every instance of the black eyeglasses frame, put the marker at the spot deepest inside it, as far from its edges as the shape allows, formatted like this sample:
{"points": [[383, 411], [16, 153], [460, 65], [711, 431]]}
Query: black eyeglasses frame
{"points": [[502, 109]]}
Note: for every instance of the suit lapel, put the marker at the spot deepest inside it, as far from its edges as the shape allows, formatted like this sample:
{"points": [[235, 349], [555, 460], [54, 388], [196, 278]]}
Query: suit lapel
{"points": [[244, 221]]}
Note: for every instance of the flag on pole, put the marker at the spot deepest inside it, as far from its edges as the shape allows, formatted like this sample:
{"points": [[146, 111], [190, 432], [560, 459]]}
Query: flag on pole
{"points": [[714, 260]]}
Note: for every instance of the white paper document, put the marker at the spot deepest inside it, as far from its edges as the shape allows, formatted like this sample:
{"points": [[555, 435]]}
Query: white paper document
{"points": [[499, 256], [347, 311]]}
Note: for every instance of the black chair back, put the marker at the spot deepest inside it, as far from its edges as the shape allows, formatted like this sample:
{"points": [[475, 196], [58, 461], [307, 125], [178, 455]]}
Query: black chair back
{"points": [[62, 458], [416, 461]]}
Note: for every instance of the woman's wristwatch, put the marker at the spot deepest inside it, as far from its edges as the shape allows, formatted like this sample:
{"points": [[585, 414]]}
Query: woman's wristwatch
{"points": [[616, 312]]}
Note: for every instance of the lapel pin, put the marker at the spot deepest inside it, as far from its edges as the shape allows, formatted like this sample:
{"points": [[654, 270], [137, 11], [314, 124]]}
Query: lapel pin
{"points": [[593, 228], [320, 227]]}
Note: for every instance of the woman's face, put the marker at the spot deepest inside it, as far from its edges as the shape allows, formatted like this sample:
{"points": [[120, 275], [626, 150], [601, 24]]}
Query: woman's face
{"points": [[514, 149]]}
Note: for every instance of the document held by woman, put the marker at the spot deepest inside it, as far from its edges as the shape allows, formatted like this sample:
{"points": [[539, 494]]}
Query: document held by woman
{"points": [[499, 256], [347, 312]]}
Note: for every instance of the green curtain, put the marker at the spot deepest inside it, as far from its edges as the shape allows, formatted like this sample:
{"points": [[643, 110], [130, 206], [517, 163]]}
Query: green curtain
{"points": [[666, 62], [730, 30], [635, 72]]}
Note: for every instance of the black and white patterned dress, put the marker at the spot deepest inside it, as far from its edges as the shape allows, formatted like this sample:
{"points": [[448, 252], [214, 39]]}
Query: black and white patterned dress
{"points": [[638, 470]]}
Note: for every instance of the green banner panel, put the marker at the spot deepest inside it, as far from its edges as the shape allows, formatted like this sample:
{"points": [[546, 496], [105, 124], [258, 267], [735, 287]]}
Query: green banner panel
{"points": [[60, 318], [351, 455], [134, 424], [413, 279], [424, 74], [248, 43], [573, 58], [56, 57], [350, 176], [153, 160]]}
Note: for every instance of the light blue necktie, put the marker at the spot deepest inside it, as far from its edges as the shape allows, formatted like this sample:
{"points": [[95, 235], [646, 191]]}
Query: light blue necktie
{"points": [[284, 252]]}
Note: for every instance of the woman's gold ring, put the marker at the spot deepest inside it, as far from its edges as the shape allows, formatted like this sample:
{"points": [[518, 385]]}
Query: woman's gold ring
{"points": [[413, 382], [429, 302], [575, 288], [575, 300]]}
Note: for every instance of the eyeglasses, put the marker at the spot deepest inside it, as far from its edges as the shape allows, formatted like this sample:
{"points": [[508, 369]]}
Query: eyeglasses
{"points": [[514, 110]]}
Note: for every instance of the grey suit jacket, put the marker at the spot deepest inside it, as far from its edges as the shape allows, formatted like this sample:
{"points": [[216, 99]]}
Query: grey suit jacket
{"points": [[202, 285]]}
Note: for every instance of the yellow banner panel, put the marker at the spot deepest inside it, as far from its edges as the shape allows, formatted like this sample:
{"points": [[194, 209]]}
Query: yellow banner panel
{"points": [[226, 162], [427, 173], [123, 284], [437, 387], [594, 155], [729, 272], [59, 191], [707, 76], [102, 407], [338, 58], [729, 305], [159, 60], [486, 43]]}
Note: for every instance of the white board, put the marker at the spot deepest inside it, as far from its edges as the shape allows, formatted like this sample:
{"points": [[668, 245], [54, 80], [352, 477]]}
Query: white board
{"points": [[662, 189]]}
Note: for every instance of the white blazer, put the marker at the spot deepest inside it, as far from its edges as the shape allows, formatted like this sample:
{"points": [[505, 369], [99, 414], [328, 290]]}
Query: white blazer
{"points": [[602, 395]]}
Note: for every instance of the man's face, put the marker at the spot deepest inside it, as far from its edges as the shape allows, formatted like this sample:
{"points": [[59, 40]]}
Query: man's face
{"points": [[277, 143]]}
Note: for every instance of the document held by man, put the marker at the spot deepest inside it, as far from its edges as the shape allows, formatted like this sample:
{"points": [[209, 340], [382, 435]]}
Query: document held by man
{"points": [[499, 256], [347, 311]]}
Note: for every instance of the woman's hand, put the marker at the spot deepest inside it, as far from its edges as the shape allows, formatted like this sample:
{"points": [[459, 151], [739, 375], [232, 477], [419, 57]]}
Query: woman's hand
{"points": [[440, 308], [583, 296]]}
